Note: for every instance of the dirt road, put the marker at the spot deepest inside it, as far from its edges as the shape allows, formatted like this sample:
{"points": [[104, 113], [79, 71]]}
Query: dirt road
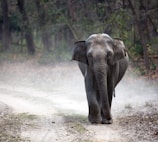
{"points": [[49, 102]]}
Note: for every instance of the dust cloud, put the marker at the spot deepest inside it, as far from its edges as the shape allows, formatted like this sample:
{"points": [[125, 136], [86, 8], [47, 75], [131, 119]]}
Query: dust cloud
{"points": [[134, 92], [43, 90], [59, 88], [54, 92]]}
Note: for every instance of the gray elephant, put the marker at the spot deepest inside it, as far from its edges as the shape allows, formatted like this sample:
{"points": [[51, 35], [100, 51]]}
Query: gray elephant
{"points": [[103, 62]]}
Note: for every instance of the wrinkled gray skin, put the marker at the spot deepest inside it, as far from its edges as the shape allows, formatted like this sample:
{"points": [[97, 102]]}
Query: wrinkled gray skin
{"points": [[103, 62]]}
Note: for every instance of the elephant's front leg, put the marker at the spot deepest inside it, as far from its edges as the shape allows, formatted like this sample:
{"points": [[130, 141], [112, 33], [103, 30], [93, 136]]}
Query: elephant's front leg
{"points": [[93, 104], [110, 93]]}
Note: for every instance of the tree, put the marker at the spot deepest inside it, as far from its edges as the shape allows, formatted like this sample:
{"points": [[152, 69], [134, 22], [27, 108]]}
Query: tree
{"points": [[45, 32], [5, 26], [26, 28], [57, 23], [141, 31]]}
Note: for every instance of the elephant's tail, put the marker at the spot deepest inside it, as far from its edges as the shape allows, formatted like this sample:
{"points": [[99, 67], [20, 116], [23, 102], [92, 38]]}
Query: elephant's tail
{"points": [[114, 93]]}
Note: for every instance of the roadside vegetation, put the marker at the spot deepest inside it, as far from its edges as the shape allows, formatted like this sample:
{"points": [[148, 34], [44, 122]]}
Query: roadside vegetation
{"points": [[47, 29], [12, 125]]}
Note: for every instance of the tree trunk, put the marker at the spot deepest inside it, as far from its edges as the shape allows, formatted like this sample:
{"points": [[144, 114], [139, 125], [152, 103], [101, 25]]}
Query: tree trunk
{"points": [[5, 26], [46, 36], [26, 28], [72, 12], [141, 34], [46, 39]]}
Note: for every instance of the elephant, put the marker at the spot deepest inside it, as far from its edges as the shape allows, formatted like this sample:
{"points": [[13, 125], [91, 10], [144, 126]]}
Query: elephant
{"points": [[103, 61]]}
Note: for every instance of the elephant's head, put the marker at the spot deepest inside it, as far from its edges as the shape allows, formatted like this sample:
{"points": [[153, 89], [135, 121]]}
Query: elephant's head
{"points": [[100, 52], [99, 49]]}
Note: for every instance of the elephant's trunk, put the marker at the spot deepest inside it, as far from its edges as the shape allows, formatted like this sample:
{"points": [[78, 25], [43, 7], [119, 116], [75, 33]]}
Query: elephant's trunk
{"points": [[100, 72]]}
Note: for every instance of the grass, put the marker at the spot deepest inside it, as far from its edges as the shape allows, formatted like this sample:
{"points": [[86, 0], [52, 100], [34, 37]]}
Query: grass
{"points": [[79, 128], [148, 104], [79, 131], [75, 118], [26, 116], [128, 106], [61, 54], [76, 125], [58, 55], [11, 126]]}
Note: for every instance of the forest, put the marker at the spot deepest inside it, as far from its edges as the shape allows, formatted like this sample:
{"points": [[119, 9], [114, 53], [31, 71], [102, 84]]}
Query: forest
{"points": [[48, 28]]}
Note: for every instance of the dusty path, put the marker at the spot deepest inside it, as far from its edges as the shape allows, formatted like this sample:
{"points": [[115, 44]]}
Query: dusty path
{"points": [[55, 94]]}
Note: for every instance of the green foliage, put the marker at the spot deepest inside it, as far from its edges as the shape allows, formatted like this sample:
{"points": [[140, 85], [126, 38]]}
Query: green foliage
{"points": [[14, 23], [64, 22], [136, 50], [153, 66]]}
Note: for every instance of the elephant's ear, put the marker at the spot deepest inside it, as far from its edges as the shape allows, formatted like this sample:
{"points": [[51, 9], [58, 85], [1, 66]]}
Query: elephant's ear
{"points": [[119, 50], [79, 52]]}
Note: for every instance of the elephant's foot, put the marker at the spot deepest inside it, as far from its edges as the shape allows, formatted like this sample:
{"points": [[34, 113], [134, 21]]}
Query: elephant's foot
{"points": [[94, 115], [105, 121], [95, 120], [106, 117]]}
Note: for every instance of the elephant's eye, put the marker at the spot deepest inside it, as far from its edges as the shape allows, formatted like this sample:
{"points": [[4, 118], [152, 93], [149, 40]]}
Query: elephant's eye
{"points": [[89, 55], [109, 54]]}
